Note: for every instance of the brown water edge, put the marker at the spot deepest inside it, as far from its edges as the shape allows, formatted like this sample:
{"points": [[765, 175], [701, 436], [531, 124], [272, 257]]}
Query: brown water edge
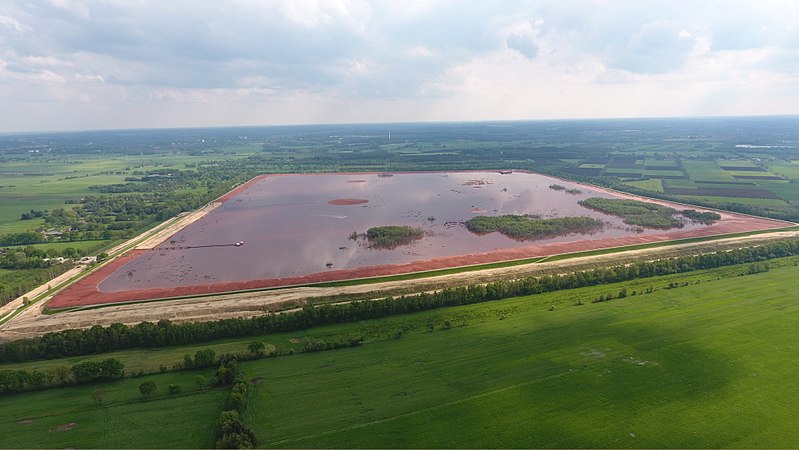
{"points": [[85, 292], [237, 191]]}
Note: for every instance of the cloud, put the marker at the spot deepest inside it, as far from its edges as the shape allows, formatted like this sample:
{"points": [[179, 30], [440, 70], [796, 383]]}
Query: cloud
{"points": [[87, 64], [658, 46]]}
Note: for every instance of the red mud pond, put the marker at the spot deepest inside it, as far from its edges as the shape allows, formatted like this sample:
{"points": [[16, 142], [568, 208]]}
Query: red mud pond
{"points": [[296, 229]]}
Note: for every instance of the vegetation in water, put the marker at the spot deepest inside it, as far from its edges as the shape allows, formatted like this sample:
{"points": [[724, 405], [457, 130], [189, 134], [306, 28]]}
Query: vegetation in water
{"points": [[524, 228], [392, 236], [637, 213], [706, 217]]}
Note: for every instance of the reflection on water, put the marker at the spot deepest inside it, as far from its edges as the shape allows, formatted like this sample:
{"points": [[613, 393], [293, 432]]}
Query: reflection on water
{"points": [[289, 228]]}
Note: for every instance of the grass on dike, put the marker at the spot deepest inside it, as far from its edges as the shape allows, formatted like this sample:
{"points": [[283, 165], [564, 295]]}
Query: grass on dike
{"points": [[125, 419], [682, 367]]}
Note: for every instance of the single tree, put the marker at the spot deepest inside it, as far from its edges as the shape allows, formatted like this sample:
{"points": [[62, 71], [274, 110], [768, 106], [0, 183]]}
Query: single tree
{"points": [[147, 388], [98, 395], [256, 348]]}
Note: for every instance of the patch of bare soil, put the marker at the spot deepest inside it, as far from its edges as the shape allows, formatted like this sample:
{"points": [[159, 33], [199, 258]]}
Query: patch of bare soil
{"points": [[66, 426]]}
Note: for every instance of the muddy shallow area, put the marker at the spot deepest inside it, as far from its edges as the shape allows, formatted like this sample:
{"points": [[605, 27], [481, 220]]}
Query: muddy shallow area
{"points": [[280, 230]]}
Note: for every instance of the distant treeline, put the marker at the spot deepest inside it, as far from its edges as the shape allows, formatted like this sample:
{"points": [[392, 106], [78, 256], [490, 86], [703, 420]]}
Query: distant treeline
{"points": [[165, 333]]}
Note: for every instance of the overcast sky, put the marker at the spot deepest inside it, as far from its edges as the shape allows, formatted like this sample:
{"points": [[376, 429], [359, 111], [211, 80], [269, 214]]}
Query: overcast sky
{"points": [[68, 65]]}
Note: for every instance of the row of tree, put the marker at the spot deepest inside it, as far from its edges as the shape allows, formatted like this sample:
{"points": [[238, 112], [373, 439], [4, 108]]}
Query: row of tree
{"points": [[165, 333], [82, 372]]}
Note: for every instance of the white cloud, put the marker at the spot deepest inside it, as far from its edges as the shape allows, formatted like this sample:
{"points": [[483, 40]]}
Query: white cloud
{"points": [[117, 63]]}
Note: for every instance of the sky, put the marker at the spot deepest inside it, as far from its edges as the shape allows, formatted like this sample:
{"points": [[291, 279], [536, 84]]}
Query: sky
{"points": [[99, 64]]}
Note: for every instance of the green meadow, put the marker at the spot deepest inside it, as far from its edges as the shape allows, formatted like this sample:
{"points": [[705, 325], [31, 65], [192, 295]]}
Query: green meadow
{"points": [[71, 418], [703, 365], [700, 359]]}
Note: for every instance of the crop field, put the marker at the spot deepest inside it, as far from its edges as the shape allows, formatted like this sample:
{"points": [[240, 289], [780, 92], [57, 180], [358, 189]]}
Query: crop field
{"points": [[652, 370], [762, 202], [787, 170], [706, 171], [653, 184], [664, 173], [665, 164], [71, 418], [735, 164]]}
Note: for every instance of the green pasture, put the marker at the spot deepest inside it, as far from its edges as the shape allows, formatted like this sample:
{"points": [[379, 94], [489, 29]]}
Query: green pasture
{"points": [[671, 163], [733, 163], [592, 166], [706, 171], [787, 170], [683, 367], [664, 173], [70, 418], [620, 171], [679, 183], [762, 202], [785, 190], [653, 184], [745, 173]]}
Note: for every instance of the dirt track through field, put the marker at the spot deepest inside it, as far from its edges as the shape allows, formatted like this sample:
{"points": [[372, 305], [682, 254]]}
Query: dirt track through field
{"points": [[32, 322]]}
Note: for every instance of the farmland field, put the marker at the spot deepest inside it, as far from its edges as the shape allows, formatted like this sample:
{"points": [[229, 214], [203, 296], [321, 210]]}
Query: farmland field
{"points": [[654, 184], [70, 418], [706, 171], [683, 368]]}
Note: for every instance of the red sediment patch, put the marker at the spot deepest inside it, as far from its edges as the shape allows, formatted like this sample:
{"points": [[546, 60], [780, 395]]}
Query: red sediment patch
{"points": [[347, 201], [356, 181], [478, 211]]}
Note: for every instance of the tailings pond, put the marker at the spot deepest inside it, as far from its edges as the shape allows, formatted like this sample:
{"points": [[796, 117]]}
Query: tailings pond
{"points": [[289, 226]]}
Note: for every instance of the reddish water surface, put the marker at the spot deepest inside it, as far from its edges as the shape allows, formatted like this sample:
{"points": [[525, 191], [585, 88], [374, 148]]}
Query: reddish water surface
{"points": [[289, 229]]}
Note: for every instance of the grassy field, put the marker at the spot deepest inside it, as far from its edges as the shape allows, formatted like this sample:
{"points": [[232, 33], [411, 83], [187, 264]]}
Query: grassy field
{"points": [[764, 202], [706, 171], [70, 418], [788, 170], [663, 173], [654, 184], [682, 367], [676, 367]]}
